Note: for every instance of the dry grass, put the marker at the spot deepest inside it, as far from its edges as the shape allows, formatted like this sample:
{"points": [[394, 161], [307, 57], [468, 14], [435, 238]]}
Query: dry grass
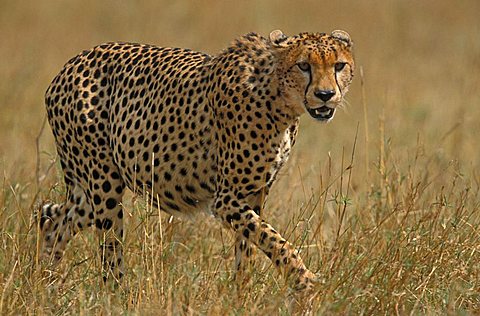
{"points": [[394, 232]]}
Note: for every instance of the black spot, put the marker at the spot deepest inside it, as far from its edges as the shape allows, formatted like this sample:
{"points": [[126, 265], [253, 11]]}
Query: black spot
{"points": [[263, 236], [172, 206], [190, 188], [94, 100], [189, 200], [106, 186], [111, 203], [226, 199], [96, 199], [107, 223]]}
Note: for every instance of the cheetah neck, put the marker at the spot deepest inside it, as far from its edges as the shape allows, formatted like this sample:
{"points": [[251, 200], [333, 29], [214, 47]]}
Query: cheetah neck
{"points": [[249, 76]]}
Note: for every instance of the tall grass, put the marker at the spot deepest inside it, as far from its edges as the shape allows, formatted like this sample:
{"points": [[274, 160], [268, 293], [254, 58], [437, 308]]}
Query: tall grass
{"points": [[383, 202]]}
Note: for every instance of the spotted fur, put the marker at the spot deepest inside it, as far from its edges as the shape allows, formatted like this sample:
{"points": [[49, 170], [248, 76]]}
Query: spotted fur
{"points": [[201, 132]]}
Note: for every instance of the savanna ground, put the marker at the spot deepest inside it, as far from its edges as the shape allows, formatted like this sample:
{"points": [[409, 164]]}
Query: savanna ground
{"points": [[383, 202]]}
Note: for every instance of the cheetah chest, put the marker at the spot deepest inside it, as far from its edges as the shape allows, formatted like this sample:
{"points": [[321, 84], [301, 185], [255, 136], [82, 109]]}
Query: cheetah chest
{"points": [[282, 152]]}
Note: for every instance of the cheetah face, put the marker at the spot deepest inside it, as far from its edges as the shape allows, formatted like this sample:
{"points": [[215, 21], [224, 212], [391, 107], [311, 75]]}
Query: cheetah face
{"points": [[315, 71]]}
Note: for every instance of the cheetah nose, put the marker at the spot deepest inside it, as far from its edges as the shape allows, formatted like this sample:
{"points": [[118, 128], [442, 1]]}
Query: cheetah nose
{"points": [[324, 95]]}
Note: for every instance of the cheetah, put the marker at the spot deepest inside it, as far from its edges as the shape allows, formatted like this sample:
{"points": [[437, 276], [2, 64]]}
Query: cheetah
{"points": [[198, 132]]}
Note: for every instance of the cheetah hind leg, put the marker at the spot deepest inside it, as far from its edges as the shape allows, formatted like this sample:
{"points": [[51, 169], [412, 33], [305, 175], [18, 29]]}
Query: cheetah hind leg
{"points": [[244, 260], [58, 223], [108, 222], [110, 233]]}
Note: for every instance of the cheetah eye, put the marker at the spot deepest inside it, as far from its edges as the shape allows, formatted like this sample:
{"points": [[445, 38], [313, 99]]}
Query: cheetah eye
{"points": [[304, 66], [339, 66]]}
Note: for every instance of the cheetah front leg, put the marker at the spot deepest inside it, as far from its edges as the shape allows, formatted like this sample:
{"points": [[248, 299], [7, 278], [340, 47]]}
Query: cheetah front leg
{"points": [[245, 250], [245, 221]]}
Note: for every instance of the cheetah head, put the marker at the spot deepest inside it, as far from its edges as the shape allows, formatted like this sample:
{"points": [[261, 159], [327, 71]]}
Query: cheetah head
{"points": [[315, 70]]}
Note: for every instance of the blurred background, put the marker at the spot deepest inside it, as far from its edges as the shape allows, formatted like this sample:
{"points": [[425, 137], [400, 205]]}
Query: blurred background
{"points": [[410, 133], [420, 61]]}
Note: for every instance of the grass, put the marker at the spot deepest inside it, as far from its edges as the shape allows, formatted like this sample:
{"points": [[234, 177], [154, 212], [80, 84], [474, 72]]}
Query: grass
{"points": [[384, 202]]}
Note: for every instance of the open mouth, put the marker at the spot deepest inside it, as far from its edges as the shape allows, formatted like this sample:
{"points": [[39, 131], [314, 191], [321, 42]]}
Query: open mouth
{"points": [[323, 113]]}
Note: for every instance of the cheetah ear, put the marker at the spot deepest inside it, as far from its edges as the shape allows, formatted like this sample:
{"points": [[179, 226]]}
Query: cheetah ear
{"points": [[277, 38], [342, 36]]}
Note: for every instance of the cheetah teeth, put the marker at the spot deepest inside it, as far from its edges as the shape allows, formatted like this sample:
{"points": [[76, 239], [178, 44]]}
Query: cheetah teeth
{"points": [[322, 113]]}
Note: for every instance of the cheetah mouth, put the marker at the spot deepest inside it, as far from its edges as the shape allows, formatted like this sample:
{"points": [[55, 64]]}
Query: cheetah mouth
{"points": [[323, 113]]}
